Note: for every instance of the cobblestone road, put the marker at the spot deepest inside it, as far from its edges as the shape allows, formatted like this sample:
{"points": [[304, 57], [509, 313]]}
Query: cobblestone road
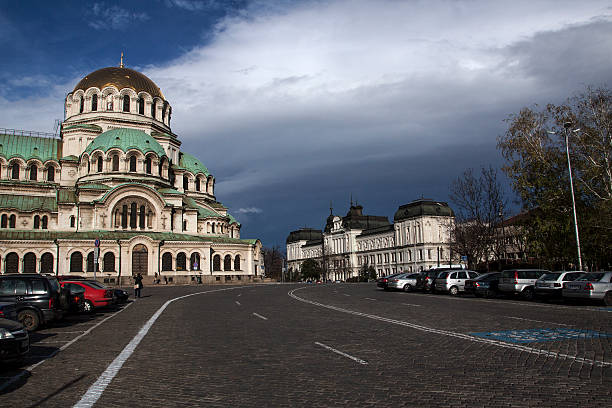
{"points": [[324, 346]]}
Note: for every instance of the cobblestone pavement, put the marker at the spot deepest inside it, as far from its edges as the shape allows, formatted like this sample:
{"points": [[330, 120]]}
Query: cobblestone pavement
{"points": [[323, 346]]}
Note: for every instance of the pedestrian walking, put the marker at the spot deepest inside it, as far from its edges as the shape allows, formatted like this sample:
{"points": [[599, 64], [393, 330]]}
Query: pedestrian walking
{"points": [[137, 285]]}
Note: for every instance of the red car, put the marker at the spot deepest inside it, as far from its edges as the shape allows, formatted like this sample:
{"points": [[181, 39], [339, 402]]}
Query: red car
{"points": [[96, 294]]}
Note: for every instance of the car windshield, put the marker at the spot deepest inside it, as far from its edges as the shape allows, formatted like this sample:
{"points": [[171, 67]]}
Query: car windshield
{"points": [[95, 284], [591, 277], [550, 276], [488, 276], [443, 275]]}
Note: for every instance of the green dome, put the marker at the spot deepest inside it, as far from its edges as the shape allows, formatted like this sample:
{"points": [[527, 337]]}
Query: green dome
{"points": [[192, 164], [126, 139]]}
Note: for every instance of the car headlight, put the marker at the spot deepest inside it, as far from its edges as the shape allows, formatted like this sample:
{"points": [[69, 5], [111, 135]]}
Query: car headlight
{"points": [[5, 334]]}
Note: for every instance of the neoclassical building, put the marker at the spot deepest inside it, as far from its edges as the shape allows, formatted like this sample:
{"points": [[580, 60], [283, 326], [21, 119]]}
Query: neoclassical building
{"points": [[117, 177], [417, 239]]}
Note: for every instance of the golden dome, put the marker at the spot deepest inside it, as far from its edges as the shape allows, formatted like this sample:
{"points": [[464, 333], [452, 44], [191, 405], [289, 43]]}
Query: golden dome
{"points": [[120, 78]]}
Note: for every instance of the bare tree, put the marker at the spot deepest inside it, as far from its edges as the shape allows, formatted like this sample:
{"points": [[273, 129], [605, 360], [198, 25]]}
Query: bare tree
{"points": [[273, 260]]}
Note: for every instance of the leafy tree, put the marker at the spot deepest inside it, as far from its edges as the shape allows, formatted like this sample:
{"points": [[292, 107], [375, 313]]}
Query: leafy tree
{"points": [[311, 270], [367, 272]]}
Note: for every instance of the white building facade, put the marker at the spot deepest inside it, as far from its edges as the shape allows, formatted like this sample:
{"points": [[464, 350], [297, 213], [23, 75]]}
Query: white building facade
{"points": [[418, 239], [115, 177]]}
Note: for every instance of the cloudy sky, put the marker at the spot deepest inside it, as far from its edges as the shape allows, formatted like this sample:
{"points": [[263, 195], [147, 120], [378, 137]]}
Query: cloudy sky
{"points": [[296, 104]]}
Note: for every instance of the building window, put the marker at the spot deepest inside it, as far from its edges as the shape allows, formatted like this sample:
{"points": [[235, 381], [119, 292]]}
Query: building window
{"points": [[181, 261], [109, 102], [141, 107], [94, 103], [195, 261], [217, 263], [46, 263], [237, 263], [148, 165], [185, 183], [29, 263], [100, 164], [167, 261], [36, 221], [4, 221], [184, 225], [45, 221], [115, 163], [227, 263], [126, 103], [33, 173], [197, 184], [124, 216], [81, 105], [141, 217], [51, 173], [108, 263], [133, 163], [133, 215], [153, 109], [11, 263], [90, 263], [76, 262], [12, 221], [15, 171], [72, 221], [429, 254]]}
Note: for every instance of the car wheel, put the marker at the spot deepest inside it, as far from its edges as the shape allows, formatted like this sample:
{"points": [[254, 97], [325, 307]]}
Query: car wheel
{"points": [[88, 306], [608, 299], [407, 288], [454, 291], [527, 294], [29, 319]]}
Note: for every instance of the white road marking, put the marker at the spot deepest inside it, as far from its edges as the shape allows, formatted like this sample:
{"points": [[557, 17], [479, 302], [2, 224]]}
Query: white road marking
{"points": [[238, 295], [95, 391], [409, 304], [260, 316], [51, 342], [537, 321], [369, 299], [463, 336], [360, 361], [64, 347], [346, 294], [519, 303], [71, 332], [238, 303]]}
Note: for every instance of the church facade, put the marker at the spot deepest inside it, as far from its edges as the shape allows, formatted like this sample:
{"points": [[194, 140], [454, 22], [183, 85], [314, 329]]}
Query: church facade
{"points": [[114, 194], [418, 239]]}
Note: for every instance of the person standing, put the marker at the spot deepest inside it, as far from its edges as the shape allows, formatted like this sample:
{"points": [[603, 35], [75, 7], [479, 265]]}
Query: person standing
{"points": [[137, 285]]}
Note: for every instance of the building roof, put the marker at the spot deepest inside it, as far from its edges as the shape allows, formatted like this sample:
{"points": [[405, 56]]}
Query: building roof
{"points": [[304, 234], [126, 139], [192, 164], [423, 207], [355, 219], [119, 78], [29, 147], [66, 195], [375, 231], [28, 203], [88, 126]]}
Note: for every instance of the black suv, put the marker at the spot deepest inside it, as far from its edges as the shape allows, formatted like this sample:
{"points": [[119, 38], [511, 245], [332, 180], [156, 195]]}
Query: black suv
{"points": [[38, 298]]}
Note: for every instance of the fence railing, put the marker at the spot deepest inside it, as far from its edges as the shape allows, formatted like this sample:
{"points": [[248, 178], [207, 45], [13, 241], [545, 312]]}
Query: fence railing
{"points": [[17, 132]]}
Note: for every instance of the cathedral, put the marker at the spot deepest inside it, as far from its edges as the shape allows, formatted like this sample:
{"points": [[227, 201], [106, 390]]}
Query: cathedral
{"points": [[114, 195]]}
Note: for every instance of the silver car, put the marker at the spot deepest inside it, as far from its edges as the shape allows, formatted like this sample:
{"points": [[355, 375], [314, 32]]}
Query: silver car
{"points": [[405, 281], [593, 285], [521, 281], [453, 282], [551, 284]]}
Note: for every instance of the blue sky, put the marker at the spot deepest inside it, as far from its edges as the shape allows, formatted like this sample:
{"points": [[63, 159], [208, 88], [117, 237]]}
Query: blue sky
{"points": [[293, 104]]}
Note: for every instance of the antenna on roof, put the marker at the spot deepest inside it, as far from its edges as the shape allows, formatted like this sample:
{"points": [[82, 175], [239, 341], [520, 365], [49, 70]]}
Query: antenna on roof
{"points": [[121, 61], [331, 209]]}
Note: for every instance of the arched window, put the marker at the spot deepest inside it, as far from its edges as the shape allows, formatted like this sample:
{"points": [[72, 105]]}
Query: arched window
{"points": [[11, 263], [90, 262], [108, 263], [12, 221], [124, 216], [194, 261], [109, 102], [141, 104], [164, 112], [181, 261], [36, 221], [133, 163], [185, 182], [227, 263], [33, 173], [100, 164], [167, 261], [72, 221], [46, 263], [81, 105], [29, 263], [4, 221], [237, 263], [15, 171], [51, 173], [148, 165], [133, 215], [94, 103], [126, 103], [76, 262], [153, 109], [213, 228], [44, 222], [116, 162], [141, 217], [217, 263], [197, 184], [184, 225]]}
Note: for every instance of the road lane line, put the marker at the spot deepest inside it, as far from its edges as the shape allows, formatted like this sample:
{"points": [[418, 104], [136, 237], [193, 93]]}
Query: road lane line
{"points": [[238, 303], [531, 350], [62, 348], [360, 361], [260, 316], [96, 389], [369, 299], [410, 304], [346, 294], [538, 321]]}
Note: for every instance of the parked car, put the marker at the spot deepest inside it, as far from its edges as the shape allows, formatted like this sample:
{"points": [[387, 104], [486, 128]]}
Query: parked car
{"points": [[76, 296], [592, 285], [404, 281], [96, 294], [550, 285], [483, 285], [453, 282], [120, 295], [8, 310], [426, 279], [38, 298], [14, 341], [520, 281], [383, 281]]}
